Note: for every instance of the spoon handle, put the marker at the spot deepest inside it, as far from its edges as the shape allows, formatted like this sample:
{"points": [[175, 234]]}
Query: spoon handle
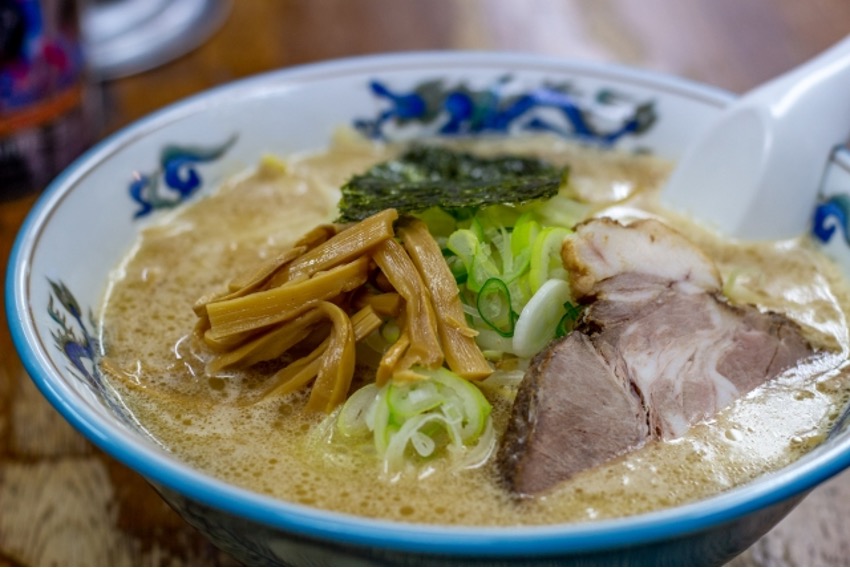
{"points": [[756, 171], [816, 89]]}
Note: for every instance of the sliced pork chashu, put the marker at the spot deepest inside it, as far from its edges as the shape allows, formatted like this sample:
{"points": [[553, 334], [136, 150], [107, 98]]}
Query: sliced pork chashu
{"points": [[657, 349]]}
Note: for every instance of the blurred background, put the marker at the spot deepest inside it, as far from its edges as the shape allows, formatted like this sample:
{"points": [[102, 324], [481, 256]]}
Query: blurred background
{"points": [[730, 44], [101, 64]]}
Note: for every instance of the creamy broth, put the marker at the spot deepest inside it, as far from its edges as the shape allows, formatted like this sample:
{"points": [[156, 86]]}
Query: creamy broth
{"points": [[274, 447]]}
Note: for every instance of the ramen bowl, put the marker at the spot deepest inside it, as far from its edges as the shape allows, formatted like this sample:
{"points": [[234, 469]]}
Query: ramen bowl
{"points": [[91, 215]]}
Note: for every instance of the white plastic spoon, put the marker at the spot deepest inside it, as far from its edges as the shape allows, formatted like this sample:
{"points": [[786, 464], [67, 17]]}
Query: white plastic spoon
{"points": [[755, 172]]}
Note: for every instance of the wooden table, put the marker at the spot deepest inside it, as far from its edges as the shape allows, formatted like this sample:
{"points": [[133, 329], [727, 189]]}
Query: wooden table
{"points": [[64, 502]]}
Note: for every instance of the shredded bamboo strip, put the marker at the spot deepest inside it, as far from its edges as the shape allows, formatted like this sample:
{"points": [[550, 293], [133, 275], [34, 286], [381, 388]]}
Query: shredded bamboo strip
{"points": [[419, 319], [203, 324], [317, 235], [270, 345], [268, 307], [388, 304], [350, 243], [391, 358], [250, 280], [336, 368], [457, 339], [286, 301], [298, 373], [226, 343], [309, 241]]}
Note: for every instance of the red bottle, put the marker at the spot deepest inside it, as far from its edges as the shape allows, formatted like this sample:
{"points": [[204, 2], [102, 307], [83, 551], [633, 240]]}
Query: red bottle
{"points": [[44, 119]]}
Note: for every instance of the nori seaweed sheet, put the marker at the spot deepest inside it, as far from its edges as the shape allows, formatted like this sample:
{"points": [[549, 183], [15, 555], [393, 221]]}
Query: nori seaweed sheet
{"points": [[434, 176]]}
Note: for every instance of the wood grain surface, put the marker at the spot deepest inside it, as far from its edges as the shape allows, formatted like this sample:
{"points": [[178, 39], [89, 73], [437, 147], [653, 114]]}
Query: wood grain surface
{"points": [[62, 502]]}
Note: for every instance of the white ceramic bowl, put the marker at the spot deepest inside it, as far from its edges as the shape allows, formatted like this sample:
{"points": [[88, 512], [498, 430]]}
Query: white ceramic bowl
{"points": [[89, 217]]}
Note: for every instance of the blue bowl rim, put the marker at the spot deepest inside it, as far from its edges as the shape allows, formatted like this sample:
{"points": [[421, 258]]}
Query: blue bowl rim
{"points": [[526, 541]]}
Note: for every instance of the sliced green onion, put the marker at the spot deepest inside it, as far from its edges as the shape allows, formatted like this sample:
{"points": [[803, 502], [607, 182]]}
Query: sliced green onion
{"points": [[494, 307], [478, 454], [501, 257], [500, 242], [546, 260], [522, 242], [457, 266], [440, 224], [495, 217], [382, 428], [423, 444], [411, 399], [520, 294], [394, 453], [476, 407], [561, 211], [464, 244], [477, 228], [491, 342], [352, 417], [476, 257], [539, 318], [443, 411], [566, 324]]}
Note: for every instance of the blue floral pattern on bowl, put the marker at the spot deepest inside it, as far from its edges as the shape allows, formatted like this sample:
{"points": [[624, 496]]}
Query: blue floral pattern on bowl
{"points": [[831, 214], [497, 109], [80, 347], [830, 220], [179, 175]]}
